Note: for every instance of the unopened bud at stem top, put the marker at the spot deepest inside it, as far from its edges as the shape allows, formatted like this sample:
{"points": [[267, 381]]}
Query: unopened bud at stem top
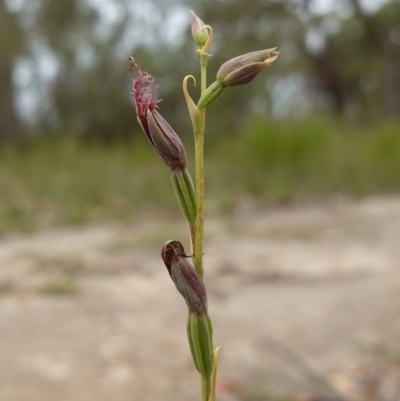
{"points": [[200, 32]]}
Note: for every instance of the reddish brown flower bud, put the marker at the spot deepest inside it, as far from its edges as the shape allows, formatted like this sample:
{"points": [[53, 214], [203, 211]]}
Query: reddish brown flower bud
{"points": [[237, 71], [243, 69], [157, 130], [185, 277]]}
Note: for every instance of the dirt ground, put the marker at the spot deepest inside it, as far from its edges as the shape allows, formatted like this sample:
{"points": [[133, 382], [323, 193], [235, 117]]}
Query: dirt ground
{"points": [[305, 302]]}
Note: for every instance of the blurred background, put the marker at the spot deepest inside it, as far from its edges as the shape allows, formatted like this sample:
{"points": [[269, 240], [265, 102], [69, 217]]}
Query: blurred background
{"points": [[302, 176]]}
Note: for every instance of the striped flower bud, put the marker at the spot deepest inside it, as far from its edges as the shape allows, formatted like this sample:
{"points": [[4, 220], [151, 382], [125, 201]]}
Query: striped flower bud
{"points": [[157, 130], [185, 277], [238, 71], [243, 69], [191, 287]]}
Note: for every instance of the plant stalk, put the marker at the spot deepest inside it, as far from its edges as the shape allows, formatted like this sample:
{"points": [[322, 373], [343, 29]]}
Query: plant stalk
{"points": [[205, 389], [199, 156], [199, 238]]}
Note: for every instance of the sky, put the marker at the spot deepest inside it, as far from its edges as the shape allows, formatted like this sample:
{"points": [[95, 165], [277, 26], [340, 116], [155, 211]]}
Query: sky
{"points": [[323, 6]]}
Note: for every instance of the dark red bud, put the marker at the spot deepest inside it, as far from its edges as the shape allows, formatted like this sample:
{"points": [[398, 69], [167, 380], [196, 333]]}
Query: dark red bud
{"points": [[185, 277]]}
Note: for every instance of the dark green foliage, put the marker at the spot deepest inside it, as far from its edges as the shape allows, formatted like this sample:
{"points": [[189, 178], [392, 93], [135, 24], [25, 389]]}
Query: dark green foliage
{"points": [[355, 72]]}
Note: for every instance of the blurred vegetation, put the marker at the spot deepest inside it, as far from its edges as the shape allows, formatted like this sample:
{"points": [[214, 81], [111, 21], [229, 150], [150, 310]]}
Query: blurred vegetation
{"points": [[54, 181], [62, 285], [68, 61], [70, 148]]}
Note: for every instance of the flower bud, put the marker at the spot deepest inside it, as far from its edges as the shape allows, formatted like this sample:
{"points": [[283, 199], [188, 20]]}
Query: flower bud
{"points": [[199, 30], [243, 69], [166, 141], [185, 277], [191, 287], [238, 71], [157, 130]]}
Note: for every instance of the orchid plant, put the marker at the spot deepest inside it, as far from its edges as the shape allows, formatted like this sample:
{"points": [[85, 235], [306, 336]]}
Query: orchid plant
{"points": [[188, 279]]}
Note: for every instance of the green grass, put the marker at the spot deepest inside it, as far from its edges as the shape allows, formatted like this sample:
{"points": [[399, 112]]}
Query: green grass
{"points": [[282, 161], [49, 182], [55, 182], [62, 285]]}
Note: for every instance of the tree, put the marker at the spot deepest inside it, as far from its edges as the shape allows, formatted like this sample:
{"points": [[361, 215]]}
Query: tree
{"points": [[10, 47], [357, 68]]}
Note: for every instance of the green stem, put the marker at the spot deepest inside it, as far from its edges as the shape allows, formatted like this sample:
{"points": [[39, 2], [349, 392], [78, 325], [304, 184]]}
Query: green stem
{"points": [[199, 155], [203, 72], [189, 184], [205, 389], [199, 150]]}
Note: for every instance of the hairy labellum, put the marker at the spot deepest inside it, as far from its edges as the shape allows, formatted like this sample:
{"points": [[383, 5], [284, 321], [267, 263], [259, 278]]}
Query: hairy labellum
{"points": [[157, 130]]}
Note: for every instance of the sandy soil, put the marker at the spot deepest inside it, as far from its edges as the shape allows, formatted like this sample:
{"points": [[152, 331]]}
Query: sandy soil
{"points": [[305, 301]]}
